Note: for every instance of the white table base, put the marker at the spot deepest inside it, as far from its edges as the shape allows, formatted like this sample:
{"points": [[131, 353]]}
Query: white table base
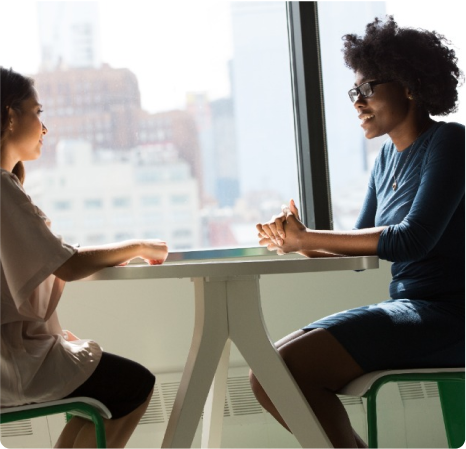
{"points": [[229, 309]]}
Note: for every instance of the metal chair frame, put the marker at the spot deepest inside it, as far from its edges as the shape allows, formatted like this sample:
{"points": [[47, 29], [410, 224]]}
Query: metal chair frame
{"points": [[451, 391], [80, 406]]}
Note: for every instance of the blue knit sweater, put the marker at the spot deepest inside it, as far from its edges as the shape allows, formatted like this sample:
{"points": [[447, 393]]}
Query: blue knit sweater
{"points": [[425, 237]]}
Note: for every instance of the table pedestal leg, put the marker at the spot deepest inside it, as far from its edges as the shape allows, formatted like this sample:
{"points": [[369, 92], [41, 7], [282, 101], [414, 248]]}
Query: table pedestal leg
{"points": [[209, 338], [214, 407], [247, 330], [230, 308]]}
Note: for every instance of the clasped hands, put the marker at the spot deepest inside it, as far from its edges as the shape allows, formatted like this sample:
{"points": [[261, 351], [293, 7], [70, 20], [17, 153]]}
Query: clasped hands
{"points": [[283, 233]]}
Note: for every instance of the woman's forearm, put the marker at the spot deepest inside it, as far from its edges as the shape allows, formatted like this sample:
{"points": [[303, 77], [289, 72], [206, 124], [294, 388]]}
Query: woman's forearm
{"points": [[312, 254], [361, 242], [90, 259]]}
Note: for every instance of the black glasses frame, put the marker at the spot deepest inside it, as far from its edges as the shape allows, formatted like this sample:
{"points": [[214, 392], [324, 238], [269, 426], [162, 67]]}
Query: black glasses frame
{"points": [[356, 91]]}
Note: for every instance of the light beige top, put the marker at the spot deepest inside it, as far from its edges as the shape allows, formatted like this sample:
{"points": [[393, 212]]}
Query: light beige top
{"points": [[37, 363]]}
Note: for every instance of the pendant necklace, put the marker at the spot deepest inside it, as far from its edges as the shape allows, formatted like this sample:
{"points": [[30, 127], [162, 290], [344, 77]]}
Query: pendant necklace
{"points": [[395, 180]]}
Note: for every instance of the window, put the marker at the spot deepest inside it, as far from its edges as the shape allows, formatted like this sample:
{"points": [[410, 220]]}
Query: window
{"points": [[150, 201], [121, 202], [181, 233], [95, 203], [179, 199], [189, 111], [213, 132], [62, 205]]}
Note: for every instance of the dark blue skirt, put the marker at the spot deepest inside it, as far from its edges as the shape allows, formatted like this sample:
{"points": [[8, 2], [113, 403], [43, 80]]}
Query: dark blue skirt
{"points": [[401, 333]]}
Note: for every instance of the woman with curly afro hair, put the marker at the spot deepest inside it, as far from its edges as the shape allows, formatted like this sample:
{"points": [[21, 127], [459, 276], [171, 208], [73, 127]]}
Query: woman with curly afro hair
{"points": [[413, 215]]}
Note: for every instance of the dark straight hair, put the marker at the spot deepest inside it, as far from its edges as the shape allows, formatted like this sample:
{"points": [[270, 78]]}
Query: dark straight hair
{"points": [[14, 89]]}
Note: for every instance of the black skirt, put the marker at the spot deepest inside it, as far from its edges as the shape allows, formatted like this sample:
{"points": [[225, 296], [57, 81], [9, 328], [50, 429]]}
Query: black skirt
{"points": [[120, 384]]}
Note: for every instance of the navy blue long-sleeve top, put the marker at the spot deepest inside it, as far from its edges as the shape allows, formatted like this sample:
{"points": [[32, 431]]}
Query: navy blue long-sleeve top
{"points": [[425, 237]]}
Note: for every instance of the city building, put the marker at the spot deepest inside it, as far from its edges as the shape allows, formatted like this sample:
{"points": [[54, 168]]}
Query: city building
{"points": [[175, 127], [100, 105], [95, 197], [227, 188]]}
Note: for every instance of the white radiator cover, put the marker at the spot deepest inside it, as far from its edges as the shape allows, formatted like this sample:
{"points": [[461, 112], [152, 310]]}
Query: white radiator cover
{"points": [[409, 416]]}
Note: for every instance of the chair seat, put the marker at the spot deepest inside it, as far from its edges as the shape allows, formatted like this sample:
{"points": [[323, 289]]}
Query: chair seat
{"points": [[362, 384], [102, 409]]}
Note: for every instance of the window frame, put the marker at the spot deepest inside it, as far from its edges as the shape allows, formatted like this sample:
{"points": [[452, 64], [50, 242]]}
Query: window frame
{"points": [[309, 115]]}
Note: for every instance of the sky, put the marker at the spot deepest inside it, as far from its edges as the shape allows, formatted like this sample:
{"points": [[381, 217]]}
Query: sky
{"points": [[190, 52], [183, 51]]}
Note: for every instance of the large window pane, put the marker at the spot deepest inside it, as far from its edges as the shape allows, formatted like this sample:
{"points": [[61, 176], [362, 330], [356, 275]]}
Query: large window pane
{"points": [[166, 119]]}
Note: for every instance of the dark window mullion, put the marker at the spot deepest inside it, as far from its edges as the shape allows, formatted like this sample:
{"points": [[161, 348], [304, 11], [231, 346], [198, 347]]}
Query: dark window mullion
{"points": [[314, 182]]}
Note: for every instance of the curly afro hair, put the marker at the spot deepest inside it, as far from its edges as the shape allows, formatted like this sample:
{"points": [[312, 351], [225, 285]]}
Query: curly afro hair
{"points": [[418, 59]]}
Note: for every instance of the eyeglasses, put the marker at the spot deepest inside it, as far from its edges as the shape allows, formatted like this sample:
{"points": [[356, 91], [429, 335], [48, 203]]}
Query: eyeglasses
{"points": [[365, 89]]}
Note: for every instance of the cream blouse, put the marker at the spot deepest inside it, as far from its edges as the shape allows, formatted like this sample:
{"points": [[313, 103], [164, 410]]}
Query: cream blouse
{"points": [[37, 363]]}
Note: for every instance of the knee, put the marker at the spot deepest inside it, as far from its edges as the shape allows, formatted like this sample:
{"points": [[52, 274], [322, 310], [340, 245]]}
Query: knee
{"points": [[149, 396], [256, 387], [150, 385], [292, 357]]}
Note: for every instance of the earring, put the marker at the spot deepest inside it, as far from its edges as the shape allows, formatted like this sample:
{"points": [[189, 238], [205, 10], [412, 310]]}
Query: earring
{"points": [[410, 97]]}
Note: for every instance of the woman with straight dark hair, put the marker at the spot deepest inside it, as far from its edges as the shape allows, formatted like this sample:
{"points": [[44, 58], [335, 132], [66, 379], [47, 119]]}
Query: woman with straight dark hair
{"points": [[39, 360]]}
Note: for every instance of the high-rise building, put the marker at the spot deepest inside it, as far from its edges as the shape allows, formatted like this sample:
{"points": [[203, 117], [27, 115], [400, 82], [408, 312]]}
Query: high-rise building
{"points": [[198, 106], [100, 105], [103, 107], [215, 124], [69, 34], [261, 91], [175, 127], [225, 156]]}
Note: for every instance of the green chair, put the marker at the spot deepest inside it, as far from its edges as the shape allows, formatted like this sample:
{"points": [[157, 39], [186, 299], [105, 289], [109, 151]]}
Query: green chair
{"points": [[80, 406], [451, 391]]}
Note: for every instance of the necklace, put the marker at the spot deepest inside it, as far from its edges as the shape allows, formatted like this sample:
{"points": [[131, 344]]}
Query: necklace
{"points": [[395, 180]]}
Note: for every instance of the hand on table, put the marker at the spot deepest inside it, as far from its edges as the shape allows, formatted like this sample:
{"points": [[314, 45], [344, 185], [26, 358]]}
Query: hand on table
{"points": [[154, 252], [282, 232]]}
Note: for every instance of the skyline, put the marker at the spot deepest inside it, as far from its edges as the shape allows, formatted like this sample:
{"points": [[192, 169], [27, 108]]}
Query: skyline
{"points": [[262, 126], [173, 81], [166, 87], [162, 88]]}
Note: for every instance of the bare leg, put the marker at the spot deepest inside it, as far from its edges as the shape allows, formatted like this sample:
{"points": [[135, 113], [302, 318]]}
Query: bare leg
{"points": [[80, 432], [320, 366]]}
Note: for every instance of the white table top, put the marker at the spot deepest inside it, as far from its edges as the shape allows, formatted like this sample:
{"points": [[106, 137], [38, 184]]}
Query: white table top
{"points": [[222, 268]]}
